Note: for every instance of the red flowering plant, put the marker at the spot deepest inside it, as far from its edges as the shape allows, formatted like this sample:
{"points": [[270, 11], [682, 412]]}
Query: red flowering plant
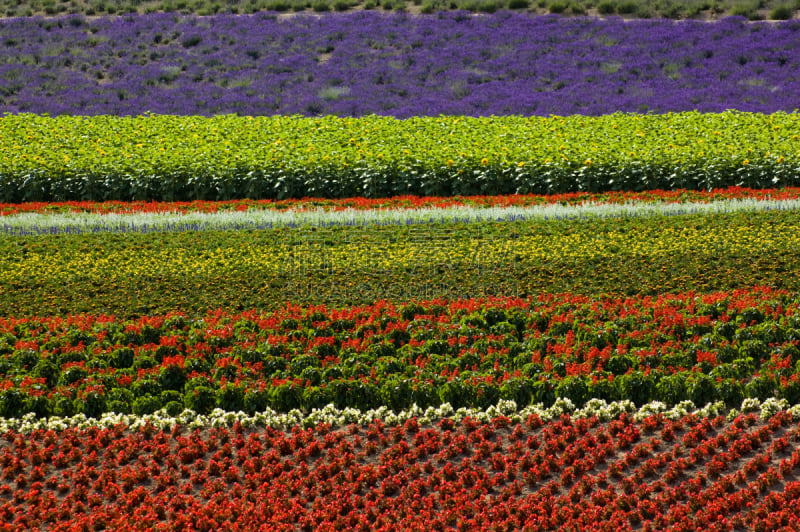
{"points": [[724, 346], [480, 475]]}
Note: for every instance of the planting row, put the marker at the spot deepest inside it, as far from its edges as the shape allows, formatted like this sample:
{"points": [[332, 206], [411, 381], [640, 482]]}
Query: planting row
{"points": [[187, 158], [654, 197], [692, 473], [719, 347], [192, 271], [376, 63], [774, 9], [79, 223], [335, 417]]}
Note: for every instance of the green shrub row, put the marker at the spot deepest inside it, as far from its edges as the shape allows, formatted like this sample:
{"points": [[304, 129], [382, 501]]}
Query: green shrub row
{"points": [[400, 394], [722, 347], [676, 9], [225, 157]]}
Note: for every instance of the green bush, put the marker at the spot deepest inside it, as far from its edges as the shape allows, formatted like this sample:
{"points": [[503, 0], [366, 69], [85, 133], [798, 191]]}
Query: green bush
{"points": [[38, 405], [62, 406], [279, 5], [285, 397], [144, 362], [168, 396], [607, 7], [201, 399], [172, 377], [146, 404], [669, 9], [48, 370], [627, 7], [731, 391], [92, 405], [746, 9], [761, 388], [12, 403], [173, 408], [121, 358], [120, 400], [256, 401], [781, 12], [231, 398], [576, 8], [574, 389], [672, 389], [701, 389], [146, 386], [637, 387], [316, 397]]}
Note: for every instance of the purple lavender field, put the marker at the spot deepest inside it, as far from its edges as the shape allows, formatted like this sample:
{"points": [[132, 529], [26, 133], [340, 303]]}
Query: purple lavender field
{"points": [[394, 64]]}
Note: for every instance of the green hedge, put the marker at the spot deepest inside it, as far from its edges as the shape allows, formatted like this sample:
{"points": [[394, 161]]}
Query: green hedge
{"points": [[174, 158]]}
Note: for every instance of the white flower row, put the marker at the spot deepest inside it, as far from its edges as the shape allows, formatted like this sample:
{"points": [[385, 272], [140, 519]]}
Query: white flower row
{"points": [[338, 418], [63, 223]]}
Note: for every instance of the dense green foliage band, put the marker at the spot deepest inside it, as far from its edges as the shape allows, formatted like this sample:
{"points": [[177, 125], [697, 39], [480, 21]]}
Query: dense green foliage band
{"points": [[171, 158], [132, 274]]}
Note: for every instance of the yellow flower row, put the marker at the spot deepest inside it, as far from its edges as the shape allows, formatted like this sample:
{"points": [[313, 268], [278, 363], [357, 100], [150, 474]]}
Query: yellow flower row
{"points": [[364, 250]]}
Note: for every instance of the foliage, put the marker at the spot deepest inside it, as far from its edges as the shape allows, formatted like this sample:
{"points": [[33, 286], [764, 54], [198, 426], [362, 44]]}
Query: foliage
{"points": [[127, 274], [280, 157], [17, 8], [465, 353]]}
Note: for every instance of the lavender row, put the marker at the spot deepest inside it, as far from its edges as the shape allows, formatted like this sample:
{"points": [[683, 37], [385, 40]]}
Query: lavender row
{"points": [[361, 63]]}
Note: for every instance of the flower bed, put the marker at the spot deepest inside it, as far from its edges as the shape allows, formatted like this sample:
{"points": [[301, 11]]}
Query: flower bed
{"points": [[702, 348], [689, 473], [193, 271], [394, 64]]}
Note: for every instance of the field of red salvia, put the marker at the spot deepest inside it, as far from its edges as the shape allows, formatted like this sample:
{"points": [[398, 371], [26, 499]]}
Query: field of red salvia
{"points": [[669, 348], [692, 473]]}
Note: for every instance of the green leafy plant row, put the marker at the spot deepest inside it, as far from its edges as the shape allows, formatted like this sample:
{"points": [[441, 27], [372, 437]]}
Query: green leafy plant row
{"points": [[224, 157], [725, 346], [676, 9], [134, 274]]}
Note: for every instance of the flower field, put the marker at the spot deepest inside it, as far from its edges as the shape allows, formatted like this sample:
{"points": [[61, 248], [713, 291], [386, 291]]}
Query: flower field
{"points": [[367, 62], [384, 271], [681, 473]]}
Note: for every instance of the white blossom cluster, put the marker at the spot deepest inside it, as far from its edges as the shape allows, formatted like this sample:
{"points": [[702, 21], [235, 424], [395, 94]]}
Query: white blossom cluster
{"points": [[338, 418]]}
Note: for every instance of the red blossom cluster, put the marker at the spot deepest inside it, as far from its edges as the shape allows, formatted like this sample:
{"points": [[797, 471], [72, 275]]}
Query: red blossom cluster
{"points": [[573, 473]]}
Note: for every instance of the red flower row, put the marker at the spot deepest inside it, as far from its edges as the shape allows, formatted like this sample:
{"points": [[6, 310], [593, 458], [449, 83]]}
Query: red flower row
{"points": [[743, 343], [580, 474], [399, 202]]}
